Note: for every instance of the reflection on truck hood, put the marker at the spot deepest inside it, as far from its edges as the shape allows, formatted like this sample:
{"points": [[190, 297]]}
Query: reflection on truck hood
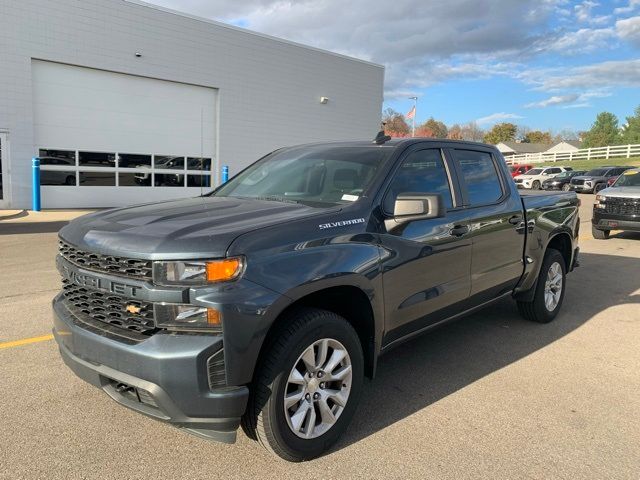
{"points": [[201, 227]]}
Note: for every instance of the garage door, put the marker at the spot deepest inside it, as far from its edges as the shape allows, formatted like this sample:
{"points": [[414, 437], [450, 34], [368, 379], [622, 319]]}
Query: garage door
{"points": [[110, 139]]}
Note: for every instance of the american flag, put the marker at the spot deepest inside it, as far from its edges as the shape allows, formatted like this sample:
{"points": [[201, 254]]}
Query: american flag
{"points": [[411, 113]]}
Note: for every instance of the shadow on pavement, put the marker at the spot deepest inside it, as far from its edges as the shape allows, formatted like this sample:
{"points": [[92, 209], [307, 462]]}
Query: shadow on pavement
{"points": [[19, 228], [440, 363]]}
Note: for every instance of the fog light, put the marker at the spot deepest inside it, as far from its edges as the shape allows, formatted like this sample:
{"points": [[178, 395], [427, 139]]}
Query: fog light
{"points": [[179, 316]]}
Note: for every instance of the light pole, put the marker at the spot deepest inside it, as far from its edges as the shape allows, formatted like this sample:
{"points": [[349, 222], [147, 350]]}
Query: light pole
{"points": [[413, 117]]}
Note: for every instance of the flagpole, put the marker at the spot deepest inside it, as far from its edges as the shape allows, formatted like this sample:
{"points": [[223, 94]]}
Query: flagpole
{"points": [[413, 119]]}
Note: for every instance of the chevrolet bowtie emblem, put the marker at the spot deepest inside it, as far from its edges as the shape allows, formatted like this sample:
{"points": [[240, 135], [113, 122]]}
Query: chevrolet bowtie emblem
{"points": [[133, 309]]}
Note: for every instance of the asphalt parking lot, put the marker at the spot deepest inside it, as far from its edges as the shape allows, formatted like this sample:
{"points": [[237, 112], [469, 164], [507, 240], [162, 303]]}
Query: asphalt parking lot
{"points": [[489, 396]]}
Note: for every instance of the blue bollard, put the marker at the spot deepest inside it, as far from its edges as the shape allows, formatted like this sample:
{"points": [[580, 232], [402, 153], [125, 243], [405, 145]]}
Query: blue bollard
{"points": [[35, 177], [225, 173]]}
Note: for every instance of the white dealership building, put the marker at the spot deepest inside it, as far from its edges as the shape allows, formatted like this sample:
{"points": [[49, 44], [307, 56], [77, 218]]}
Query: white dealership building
{"points": [[125, 102]]}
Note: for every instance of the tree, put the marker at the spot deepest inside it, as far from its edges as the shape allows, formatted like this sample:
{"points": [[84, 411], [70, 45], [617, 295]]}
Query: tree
{"points": [[395, 124], [536, 136], [472, 132], [432, 128], [455, 132], [565, 135], [604, 131], [631, 131], [501, 132]]}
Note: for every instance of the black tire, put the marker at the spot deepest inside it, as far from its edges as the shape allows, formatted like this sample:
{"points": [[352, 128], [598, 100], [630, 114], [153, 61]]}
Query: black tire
{"points": [[599, 186], [535, 185], [600, 234], [566, 187], [535, 310], [265, 418]]}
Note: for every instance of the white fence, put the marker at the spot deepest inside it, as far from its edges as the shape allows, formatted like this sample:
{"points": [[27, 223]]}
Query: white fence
{"points": [[604, 153]]}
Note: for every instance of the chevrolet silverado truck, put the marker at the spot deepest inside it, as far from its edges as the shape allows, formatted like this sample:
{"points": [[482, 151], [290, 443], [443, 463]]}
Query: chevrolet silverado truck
{"points": [[266, 302], [618, 207]]}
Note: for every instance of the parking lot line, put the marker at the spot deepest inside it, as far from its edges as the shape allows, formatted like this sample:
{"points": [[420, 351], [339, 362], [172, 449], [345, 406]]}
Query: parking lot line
{"points": [[25, 341]]}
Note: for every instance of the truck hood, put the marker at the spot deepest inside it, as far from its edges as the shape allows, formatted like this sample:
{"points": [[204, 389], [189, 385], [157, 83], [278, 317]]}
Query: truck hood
{"points": [[587, 178], [201, 227], [621, 192]]}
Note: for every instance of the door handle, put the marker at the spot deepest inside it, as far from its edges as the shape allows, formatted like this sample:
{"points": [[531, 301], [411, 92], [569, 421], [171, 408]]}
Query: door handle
{"points": [[515, 220], [459, 230]]}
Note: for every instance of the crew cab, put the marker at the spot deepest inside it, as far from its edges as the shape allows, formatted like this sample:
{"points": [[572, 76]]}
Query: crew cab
{"points": [[267, 301], [618, 207], [533, 178]]}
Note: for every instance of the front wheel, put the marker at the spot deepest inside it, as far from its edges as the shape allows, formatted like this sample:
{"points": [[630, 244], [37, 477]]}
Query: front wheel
{"points": [[600, 234], [599, 186], [308, 386], [566, 187], [536, 185], [550, 288]]}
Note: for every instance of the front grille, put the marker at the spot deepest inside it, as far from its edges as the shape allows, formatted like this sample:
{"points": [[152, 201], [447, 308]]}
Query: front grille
{"points": [[519, 180], [130, 267], [577, 182], [91, 304], [216, 370], [622, 206]]}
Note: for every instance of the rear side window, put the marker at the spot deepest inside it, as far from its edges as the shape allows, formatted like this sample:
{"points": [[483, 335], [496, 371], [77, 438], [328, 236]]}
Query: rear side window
{"points": [[479, 173], [422, 171]]}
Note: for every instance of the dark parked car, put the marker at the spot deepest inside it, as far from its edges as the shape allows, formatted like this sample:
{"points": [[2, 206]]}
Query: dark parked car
{"points": [[270, 299], [618, 207], [562, 180], [595, 180]]}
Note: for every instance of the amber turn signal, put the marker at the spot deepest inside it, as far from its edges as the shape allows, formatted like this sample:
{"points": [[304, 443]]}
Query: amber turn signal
{"points": [[213, 316], [223, 270]]}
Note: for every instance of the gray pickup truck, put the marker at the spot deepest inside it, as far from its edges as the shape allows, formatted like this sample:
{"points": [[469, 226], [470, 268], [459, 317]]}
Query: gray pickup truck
{"points": [[268, 301]]}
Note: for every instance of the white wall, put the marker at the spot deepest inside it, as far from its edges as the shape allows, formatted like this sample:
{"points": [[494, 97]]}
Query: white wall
{"points": [[269, 90]]}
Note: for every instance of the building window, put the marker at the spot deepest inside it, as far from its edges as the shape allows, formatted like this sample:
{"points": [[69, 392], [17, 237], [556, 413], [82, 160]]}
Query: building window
{"points": [[96, 159], [97, 179], [128, 160]]}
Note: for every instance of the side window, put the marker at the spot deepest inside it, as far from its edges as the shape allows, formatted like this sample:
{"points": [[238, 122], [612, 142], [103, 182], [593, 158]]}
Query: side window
{"points": [[422, 171], [554, 170], [480, 175]]}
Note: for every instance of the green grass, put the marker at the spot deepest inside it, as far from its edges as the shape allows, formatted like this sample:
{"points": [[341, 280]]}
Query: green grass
{"points": [[598, 162]]}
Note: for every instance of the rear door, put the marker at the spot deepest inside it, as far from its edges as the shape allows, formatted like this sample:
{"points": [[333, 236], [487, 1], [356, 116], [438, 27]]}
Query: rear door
{"points": [[425, 263], [495, 213]]}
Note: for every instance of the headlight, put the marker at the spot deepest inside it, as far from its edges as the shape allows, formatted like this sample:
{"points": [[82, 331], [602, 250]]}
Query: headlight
{"points": [[587, 182], [600, 198], [189, 317], [197, 272], [599, 202]]}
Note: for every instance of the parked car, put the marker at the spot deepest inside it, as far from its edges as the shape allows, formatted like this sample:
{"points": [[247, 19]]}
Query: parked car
{"points": [[533, 178], [595, 180], [272, 297], [58, 177], [562, 180], [519, 169], [611, 181], [618, 207]]}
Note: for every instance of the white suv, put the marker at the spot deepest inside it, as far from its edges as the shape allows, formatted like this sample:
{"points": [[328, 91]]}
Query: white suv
{"points": [[533, 178]]}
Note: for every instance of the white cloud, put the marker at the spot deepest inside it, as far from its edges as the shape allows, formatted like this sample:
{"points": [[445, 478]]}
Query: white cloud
{"points": [[633, 4], [554, 100], [497, 117], [604, 75], [629, 29], [583, 10], [584, 40]]}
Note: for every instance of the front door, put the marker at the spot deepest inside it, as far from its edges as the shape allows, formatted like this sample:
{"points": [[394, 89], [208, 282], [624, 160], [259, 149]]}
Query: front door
{"points": [[427, 267], [4, 165]]}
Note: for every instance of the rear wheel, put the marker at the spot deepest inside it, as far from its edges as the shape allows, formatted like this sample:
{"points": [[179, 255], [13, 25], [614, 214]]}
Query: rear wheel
{"points": [[600, 234], [535, 185], [308, 386], [549, 293]]}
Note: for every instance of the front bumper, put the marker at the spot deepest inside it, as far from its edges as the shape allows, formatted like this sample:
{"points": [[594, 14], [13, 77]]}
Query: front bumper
{"points": [[164, 377], [581, 188], [609, 221]]}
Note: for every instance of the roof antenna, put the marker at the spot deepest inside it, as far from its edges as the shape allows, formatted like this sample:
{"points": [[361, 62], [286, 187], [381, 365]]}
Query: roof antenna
{"points": [[381, 138]]}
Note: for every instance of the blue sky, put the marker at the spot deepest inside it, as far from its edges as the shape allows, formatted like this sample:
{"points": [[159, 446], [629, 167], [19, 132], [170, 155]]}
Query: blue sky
{"points": [[545, 64]]}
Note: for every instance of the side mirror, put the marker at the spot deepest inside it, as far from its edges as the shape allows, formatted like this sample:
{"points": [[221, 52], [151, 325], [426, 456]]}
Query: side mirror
{"points": [[417, 206]]}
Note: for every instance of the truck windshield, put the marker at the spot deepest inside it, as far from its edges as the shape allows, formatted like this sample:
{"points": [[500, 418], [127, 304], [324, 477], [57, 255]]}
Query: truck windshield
{"points": [[630, 178], [312, 175]]}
